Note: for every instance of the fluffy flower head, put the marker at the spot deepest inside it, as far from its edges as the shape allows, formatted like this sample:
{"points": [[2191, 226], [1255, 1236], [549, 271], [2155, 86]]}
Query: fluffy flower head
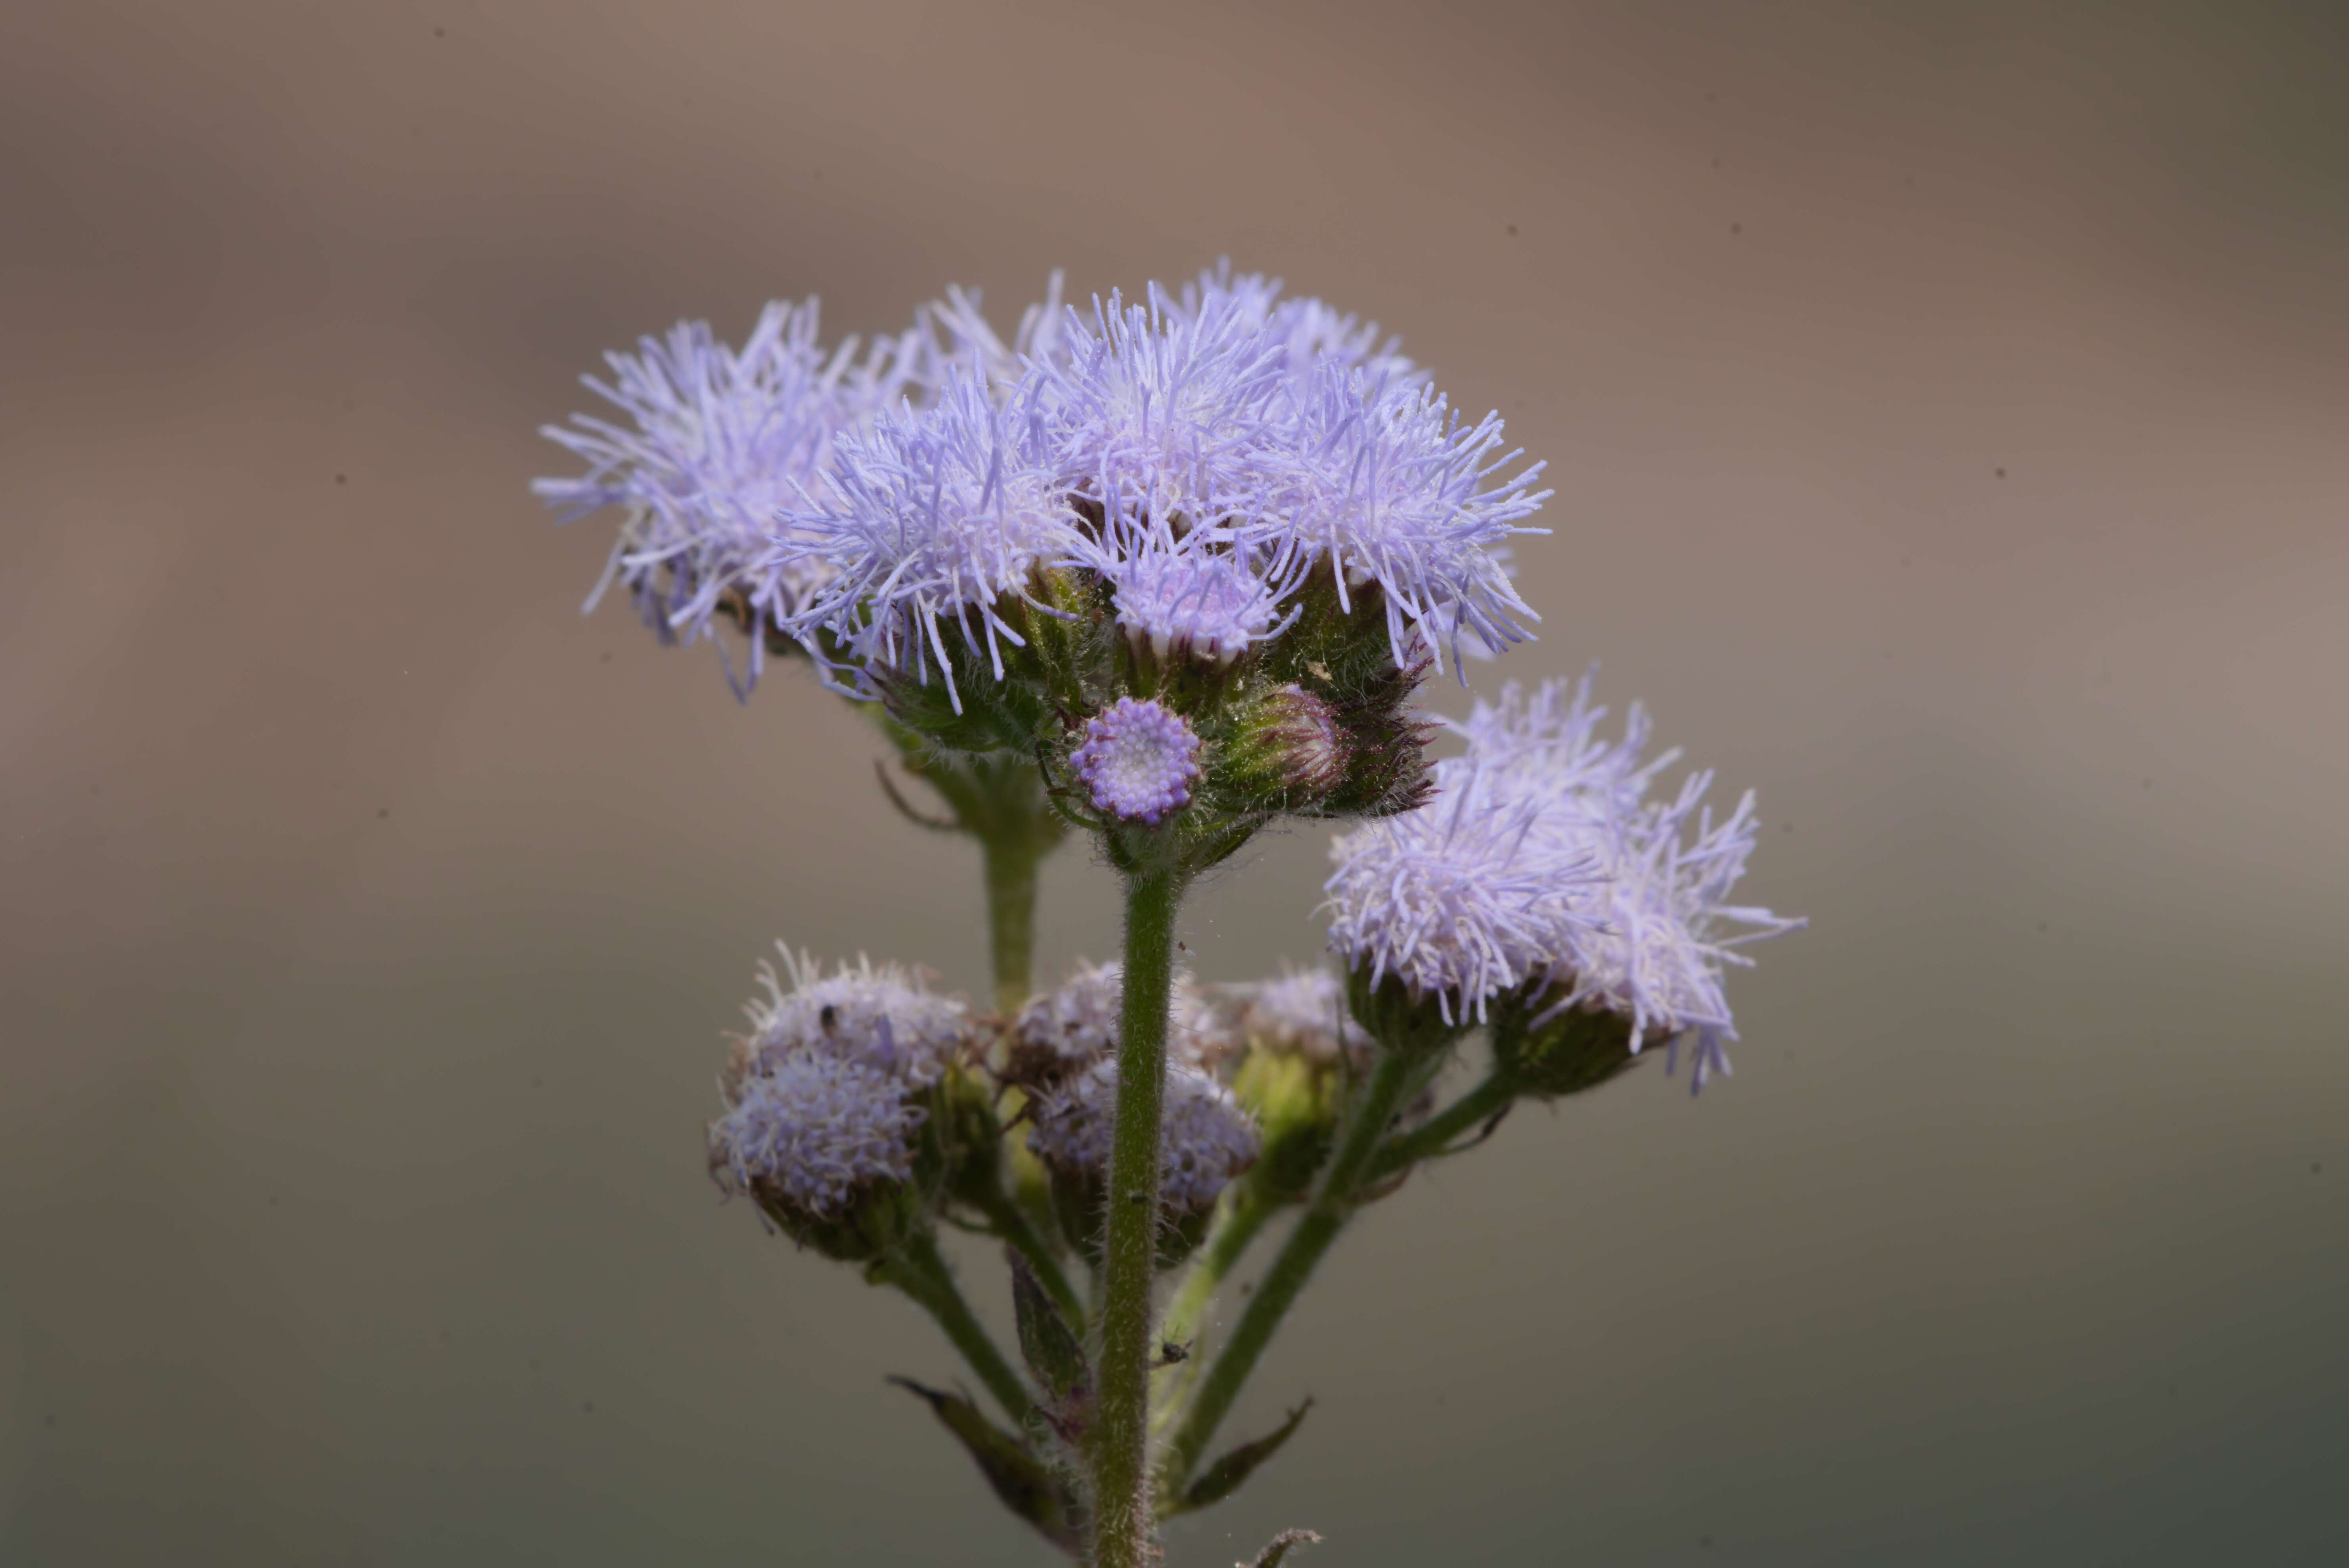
{"points": [[936, 515], [1460, 899], [718, 441], [1138, 759], [1658, 929]]}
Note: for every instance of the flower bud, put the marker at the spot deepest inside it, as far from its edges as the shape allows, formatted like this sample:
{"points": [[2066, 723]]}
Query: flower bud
{"points": [[1287, 754], [1205, 1140]]}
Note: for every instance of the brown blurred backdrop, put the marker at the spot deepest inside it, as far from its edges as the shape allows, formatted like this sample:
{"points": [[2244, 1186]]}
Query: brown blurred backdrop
{"points": [[1948, 406]]}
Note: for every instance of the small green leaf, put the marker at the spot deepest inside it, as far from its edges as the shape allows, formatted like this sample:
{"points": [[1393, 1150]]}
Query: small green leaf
{"points": [[1022, 1480], [1052, 1348], [1223, 1478]]}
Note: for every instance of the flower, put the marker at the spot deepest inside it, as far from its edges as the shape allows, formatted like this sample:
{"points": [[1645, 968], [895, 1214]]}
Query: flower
{"points": [[934, 515], [1390, 485], [1205, 1137], [1301, 1013], [1076, 1024], [1308, 331], [1193, 604], [1138, 758], [1460, 898], [812, 1131], [719, 442], [1642, 926], [881, 1017]]}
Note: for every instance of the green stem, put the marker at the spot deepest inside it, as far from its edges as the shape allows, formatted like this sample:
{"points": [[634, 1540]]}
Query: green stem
{"points": [[1119, 1441], [917, 1268], [1010, 863], [1332, 1203], [1012, 1224], [1234, 1229], [1434, 1136]]}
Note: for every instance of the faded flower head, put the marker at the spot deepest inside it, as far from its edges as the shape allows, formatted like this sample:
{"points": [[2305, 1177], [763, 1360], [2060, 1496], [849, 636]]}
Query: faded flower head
{"points": [[716, 443], [1205, 1140], [811, 1132], [1302, 1013], [1075, 1024], [884, 1017], [1138, 759], [1460, 899]]}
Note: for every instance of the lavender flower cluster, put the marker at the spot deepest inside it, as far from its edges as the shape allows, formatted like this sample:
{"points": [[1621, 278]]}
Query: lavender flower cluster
{"points": [[1167, 570]]}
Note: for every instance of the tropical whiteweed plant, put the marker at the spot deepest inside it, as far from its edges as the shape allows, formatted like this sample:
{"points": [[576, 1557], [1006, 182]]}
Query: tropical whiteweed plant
{"points": [[1162, 571]]}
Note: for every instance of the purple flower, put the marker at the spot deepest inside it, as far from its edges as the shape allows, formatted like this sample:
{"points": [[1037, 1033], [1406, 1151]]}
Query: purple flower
{"points": [[1308, 331], [719, 441], [1389, 485], [934, 516], [1204, 1140], [1138, 758], [1161, 419], [1650, 928], [1195, 603], [1460, 899], [813, 1132]]}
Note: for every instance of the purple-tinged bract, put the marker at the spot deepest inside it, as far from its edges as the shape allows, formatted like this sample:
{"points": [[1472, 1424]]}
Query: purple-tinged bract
{"points": [[1138, 759]]}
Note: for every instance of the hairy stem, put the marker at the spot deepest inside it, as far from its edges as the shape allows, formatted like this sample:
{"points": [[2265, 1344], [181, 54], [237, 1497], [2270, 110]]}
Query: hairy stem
{"points": [[1227, 1239], [1331, 1204], [1010, 863], [918, 1269], [1434, 1136], [1119, 1441]]}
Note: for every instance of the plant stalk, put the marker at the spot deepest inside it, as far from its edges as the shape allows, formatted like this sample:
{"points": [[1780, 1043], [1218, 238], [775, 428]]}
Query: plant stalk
{"points": [[1011, 861], [1434, 1136], [1332, 1205], [1118, 1442], [917, 1268]]}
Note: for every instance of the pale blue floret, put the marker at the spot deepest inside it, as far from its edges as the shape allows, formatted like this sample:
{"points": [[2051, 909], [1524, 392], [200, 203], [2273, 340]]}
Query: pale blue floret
{"points": [[1138, 759], [717, 442]]}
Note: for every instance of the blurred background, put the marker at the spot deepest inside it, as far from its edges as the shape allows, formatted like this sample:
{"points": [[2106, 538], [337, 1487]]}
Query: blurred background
{"points": [[1949, 407]]}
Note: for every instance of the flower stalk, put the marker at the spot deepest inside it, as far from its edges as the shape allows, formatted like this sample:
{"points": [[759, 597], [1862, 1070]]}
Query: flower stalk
{"points": [[1122, 1513]]}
